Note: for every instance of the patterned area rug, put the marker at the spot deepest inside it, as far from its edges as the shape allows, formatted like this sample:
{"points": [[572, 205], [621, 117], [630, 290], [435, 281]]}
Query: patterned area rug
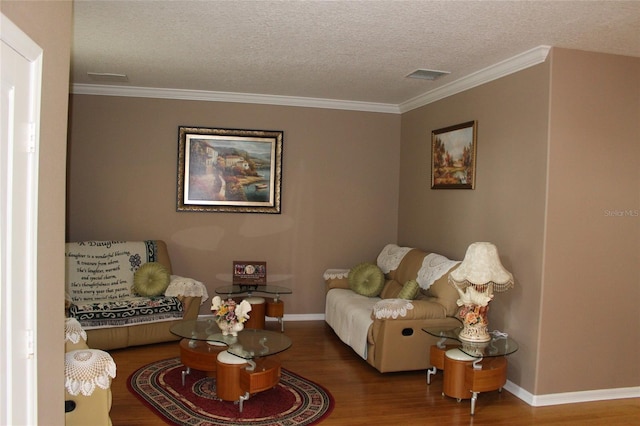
{"points": [[295, 401]]}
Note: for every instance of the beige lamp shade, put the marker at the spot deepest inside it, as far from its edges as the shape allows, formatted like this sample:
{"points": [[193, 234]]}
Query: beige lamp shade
{"points": [[481, 266]]}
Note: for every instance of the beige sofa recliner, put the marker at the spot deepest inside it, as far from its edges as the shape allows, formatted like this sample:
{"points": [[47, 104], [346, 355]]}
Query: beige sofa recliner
{"points": [[88, 374], [140, 330], [387, 331]]}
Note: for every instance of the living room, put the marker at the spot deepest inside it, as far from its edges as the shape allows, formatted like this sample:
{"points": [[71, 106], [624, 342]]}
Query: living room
{"points": [[354, 181]]}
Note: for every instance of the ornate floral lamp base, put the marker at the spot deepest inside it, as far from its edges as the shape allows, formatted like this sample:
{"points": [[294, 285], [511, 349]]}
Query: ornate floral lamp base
{"points": [[474, 318], [475, 333], [230, 328]]}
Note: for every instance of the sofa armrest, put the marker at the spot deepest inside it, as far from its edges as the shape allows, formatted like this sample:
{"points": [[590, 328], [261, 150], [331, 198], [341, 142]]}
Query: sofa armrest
{"points": [[186, 287], [191, 307], [401, 309], [336, 278]]}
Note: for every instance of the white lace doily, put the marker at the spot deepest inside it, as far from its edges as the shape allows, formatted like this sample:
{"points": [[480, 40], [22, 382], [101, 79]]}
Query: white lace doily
{"points": [[73, 331], [85, 369], [335, 273], [391, 256], [391, 308], [188, 287], [433, 267]]}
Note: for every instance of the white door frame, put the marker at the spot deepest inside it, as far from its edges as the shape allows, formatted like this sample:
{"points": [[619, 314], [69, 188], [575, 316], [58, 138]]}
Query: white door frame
{"points": [[19, 161]]}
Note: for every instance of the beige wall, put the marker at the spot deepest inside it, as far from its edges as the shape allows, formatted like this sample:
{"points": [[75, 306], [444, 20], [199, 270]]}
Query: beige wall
{"points": [[49, 25], [339, 190], [507, 205], [572, 108], [558, 147], [592, 254]]}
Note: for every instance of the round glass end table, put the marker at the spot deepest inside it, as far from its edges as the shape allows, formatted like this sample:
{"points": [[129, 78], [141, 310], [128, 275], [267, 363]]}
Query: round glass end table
{"points": [[469, 367], [274, 306]]}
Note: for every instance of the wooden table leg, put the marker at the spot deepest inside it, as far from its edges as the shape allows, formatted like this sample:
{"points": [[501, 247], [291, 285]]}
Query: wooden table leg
{"points": [[491, 376], [275, 309]]}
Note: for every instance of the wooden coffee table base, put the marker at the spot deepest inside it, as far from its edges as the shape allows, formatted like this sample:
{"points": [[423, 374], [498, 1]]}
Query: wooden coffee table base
{"points": [[199, 355], [264, 376], [237, 382], [225, 356]]}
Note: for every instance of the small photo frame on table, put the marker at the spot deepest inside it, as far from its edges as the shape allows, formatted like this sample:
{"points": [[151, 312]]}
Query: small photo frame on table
{"points": [[249, 273], [453, 156], [229, 170]]}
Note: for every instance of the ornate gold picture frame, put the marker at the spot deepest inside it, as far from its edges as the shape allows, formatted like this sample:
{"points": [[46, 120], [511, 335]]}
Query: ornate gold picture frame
{"points": [[229, 170], [453, 156]]}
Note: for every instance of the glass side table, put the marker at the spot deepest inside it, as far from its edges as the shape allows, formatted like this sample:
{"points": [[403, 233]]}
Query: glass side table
{"points": [[470, 367], [274, 306]]}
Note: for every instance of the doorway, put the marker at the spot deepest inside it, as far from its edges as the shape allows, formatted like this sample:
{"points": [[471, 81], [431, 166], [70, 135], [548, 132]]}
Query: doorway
{"points": [[21, 79]]}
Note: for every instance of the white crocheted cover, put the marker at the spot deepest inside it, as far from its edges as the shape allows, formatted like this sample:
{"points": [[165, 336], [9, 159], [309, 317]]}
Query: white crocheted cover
{"points": [[73, 331], [85, 369], [335, 273], [392, 308], [391, 256], [187, 287], [433, 267]]}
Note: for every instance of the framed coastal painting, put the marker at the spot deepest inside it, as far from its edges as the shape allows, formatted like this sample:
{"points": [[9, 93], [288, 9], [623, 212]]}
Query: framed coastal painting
{"points": [[229, 170], [453, 156]]}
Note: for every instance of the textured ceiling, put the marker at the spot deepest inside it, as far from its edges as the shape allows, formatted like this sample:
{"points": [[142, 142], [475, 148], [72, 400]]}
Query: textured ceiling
{"points": [[341, 50]]}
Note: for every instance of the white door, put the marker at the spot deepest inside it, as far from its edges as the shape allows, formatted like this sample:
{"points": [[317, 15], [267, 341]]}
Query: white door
{"points": [[21, 63]]}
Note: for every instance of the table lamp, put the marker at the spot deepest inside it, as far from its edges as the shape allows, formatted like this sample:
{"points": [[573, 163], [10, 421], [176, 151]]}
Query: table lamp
{"points": [[478, 276]]}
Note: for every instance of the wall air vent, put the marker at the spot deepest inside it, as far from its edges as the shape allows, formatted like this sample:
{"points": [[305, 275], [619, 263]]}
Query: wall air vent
{"points": [[427, 74]]}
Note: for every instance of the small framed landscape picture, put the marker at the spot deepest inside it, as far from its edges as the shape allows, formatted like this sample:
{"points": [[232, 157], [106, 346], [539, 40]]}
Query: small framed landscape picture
{"points": [[453, 156], [224, 170]]}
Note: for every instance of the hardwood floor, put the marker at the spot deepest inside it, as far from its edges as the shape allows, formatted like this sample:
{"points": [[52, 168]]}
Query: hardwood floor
{"points": [[365, 397]]}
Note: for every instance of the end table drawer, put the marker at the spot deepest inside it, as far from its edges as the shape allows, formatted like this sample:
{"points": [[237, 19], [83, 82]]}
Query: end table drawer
{"points": [[492, 376], [275, 308], [265, 376]]}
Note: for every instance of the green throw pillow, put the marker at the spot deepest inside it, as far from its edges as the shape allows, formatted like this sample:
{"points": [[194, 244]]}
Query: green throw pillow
{"points": [[409, 290], [151, 279], [366, 279]]}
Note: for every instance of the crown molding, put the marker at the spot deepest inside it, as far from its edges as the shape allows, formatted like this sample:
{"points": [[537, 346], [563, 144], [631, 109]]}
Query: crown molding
{"points": [[509, 66], [247, 98]]}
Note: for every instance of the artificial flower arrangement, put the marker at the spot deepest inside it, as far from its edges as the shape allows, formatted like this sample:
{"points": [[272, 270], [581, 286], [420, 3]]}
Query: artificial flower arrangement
{"points": [[474, 305], [230, 312], [472, 315]]}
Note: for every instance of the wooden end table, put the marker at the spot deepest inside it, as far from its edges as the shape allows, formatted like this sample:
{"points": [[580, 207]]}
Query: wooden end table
{"points": [[470, 367], [274, 306]]}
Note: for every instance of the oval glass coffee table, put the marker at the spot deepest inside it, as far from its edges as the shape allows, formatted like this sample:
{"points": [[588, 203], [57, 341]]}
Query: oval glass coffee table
{"points": [[245, 371]]}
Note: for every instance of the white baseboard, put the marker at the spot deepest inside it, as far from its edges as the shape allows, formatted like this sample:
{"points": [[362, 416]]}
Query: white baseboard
{"points": [[287, 317], [300, 317], [526, 396], [571, 397]]}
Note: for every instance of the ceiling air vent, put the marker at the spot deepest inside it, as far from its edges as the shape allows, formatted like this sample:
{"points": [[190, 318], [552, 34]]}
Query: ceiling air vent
{"points": [[108, 77], [427, 74]]}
